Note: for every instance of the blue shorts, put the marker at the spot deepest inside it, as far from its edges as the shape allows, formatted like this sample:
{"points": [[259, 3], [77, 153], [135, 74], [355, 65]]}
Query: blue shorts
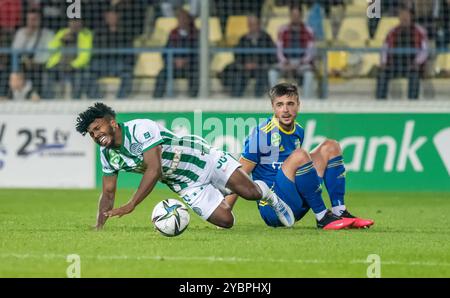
{"points": [[287, 191]]}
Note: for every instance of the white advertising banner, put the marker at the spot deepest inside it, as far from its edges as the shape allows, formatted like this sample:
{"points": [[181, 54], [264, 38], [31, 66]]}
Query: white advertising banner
{"points": [[44, 151]]}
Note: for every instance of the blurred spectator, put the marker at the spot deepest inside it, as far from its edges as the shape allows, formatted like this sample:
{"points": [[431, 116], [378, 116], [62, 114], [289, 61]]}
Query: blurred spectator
{"points": [[327, 5], [388, 8], [53, 14], [5, 65], [168, 8], [434, 15], [33, 37], [112, 35], [10, 18], [92, 13], [10, 14], [443, 35], [295, 36], [132, 14], [407, 35], [69, 59], [315, 21], [225, 8], [247, 66], [20, 88], [186, 35], [427, 15]]}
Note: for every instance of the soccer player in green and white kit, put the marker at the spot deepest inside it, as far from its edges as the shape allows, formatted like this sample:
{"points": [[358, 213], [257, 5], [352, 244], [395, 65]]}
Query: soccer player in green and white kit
{"points": [[199, 174]]}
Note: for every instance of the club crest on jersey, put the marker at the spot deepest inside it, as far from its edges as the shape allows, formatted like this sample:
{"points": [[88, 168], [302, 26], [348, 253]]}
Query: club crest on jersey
{"points": [[136, 148], [115, 159], [275, 139], [297, 143]]}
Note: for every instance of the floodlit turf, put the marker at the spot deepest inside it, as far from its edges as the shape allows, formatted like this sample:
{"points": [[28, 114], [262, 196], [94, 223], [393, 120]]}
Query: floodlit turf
{"points": [[39, 228]]}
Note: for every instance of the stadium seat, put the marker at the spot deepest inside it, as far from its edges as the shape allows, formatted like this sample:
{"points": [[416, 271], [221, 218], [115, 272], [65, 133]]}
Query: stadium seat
{"points": [[327, 30], [109, 86], [280, 10], [354, 32], [384, 26], [215, 32], [220, 60], [356, 8], [237, 26], [148, 65], [337, 62], [369, 61], [273, 26], [163, 26], [270, 9], [442, 63]]}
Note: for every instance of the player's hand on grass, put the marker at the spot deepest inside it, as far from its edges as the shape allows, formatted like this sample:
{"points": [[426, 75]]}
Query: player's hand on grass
{"points": [[97, 227], [121, 211]]}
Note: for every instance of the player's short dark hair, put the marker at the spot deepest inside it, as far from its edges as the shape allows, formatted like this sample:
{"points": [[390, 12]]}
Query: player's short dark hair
{"points": [[98, 110], [283, 89]]}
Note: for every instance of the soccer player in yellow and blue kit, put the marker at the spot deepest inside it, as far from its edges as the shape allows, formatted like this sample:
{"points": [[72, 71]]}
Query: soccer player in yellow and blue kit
{"points": [[273, 153]]}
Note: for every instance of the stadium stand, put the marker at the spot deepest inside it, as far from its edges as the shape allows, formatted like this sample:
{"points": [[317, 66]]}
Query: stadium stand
{"points": [[348, 43]]}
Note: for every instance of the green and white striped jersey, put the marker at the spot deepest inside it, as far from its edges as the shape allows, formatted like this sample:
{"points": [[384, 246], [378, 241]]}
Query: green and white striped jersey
{"points": [[184, 160]]}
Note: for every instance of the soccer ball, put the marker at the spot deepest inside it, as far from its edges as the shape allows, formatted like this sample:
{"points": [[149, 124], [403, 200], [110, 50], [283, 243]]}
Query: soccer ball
{"points": [[170, 217]]}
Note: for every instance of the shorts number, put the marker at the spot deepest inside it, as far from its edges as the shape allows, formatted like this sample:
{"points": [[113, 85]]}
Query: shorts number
{"points": [[221, 161]]}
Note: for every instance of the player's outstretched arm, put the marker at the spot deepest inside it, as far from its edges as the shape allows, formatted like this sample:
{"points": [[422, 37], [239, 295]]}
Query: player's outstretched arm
{"points": [[152, 159], [106, 202], [248, 168]]}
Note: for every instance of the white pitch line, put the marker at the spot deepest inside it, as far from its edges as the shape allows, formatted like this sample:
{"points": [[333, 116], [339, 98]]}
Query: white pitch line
{"points": [[220, 259]]}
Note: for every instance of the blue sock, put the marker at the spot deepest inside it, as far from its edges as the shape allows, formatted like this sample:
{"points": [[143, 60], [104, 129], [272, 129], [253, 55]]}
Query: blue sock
{"points": [[309, 187], [335, 181]]}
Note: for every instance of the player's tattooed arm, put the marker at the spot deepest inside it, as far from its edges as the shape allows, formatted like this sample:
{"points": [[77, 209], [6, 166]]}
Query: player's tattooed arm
{"points": [[106, 202], [248, 168], [152, 160]]}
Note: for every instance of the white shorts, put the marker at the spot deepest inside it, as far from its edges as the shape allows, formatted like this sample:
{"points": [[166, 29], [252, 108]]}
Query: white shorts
{"points": [[204, 199]]}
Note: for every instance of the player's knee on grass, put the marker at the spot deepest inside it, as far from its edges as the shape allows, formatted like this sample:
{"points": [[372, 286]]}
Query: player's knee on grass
{"points": [[226, 221], [222, 216]]}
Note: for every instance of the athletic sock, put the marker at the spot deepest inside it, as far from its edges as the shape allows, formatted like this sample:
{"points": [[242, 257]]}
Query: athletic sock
{"points": [[267, 194], [335, 183], [308, 186], [338, 210], [320, 215]]}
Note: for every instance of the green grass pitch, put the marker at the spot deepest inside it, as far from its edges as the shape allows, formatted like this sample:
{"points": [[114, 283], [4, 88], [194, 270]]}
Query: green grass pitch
{"points": [[39, 228]]}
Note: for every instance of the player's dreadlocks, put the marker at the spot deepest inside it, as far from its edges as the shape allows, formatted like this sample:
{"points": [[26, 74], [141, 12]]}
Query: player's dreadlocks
{"points": [[283, 89], [98, 110]]}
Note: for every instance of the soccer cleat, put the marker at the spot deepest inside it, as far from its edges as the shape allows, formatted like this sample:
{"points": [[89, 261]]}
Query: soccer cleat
{"points": [[284, 213], [359, 223], [333, 222], [282, 210]]}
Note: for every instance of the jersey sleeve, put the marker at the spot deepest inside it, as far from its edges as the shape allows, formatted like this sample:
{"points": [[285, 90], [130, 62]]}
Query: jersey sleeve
{"points": [[107, 170], [251, 150], [148, 134]]}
